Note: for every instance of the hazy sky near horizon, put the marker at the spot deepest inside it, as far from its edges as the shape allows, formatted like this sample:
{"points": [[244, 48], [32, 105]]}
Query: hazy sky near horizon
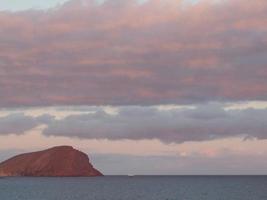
{"points": [[144, 87], [18, 5]]}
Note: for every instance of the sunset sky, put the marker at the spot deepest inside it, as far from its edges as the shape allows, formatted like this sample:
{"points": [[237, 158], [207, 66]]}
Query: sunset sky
{"points": [[143, 87]]}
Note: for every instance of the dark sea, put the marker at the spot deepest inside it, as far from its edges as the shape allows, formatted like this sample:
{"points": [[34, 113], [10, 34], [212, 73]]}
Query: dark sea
{"points": [[136, 188]]}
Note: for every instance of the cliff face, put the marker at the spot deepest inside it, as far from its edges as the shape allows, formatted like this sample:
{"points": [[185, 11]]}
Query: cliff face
{"points": [[62, 161]]}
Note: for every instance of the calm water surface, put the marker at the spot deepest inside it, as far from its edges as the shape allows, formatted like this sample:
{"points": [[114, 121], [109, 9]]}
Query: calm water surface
{"points": [[136, 188]]}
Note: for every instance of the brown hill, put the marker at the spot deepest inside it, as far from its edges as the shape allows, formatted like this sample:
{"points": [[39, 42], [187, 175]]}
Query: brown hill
{"points": [[62, 161]]}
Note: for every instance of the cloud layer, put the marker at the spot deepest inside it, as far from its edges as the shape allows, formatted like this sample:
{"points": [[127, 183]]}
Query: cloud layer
{"points": [[206, 122], [125, 53], [18, 123]]}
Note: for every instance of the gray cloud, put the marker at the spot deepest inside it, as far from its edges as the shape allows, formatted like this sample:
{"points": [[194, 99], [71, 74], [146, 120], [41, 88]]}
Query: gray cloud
{"points": [[123, 53], [206, 122], [18, 123]]}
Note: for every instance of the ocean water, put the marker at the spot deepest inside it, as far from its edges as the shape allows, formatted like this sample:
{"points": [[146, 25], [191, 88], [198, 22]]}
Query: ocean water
{"points": [[136, 188]]}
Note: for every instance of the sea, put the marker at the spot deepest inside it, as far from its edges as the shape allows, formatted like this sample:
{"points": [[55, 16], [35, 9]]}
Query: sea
{"points": [[136, 188]]}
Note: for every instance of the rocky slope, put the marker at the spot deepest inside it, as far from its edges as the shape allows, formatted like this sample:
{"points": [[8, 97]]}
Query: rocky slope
{"points": [[62, 161]]}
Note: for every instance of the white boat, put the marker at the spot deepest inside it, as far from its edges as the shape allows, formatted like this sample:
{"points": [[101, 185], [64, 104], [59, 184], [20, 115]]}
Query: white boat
{"points": [[130, 175]]}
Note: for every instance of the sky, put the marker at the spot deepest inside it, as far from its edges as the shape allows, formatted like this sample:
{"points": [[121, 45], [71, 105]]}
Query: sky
{"points": [[143, 87]]}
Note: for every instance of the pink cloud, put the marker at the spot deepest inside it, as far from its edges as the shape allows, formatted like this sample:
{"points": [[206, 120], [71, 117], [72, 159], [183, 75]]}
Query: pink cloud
{"points": [[125, 53]]}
